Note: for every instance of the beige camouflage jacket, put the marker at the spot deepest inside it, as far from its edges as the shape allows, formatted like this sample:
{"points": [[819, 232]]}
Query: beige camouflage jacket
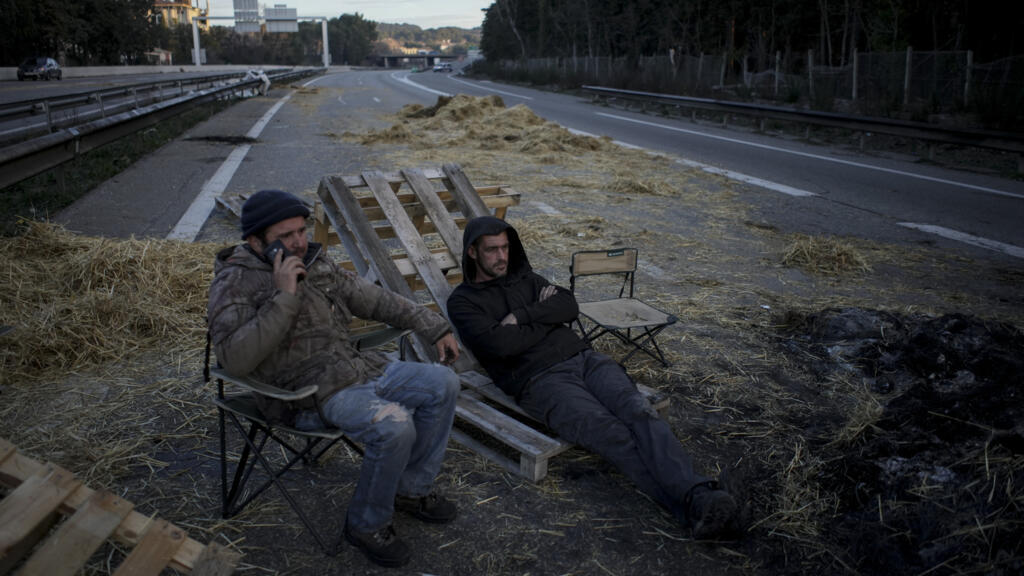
{"points": [[293, 341]]}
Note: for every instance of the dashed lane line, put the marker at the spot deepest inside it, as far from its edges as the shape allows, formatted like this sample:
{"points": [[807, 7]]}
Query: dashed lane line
{"points": [[1008, 249], [191, 222], [985, 189]]}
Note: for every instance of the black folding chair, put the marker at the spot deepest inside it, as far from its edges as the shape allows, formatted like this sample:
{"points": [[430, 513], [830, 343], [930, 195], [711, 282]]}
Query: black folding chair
{"points": [[306, 446], [632, 321]]}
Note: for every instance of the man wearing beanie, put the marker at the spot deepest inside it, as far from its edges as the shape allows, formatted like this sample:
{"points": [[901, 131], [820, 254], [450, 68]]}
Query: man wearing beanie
{"points": [[284, 318]]}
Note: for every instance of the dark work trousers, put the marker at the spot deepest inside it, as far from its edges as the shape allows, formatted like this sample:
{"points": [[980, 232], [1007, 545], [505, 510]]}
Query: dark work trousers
{"points": [[589, 400]]}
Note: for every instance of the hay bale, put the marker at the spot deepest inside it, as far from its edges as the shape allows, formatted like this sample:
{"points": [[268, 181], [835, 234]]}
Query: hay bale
{"points": [[80, 302]]}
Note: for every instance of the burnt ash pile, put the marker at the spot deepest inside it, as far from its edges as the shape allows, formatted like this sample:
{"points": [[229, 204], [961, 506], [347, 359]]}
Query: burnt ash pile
{"points": [[936, 482]]}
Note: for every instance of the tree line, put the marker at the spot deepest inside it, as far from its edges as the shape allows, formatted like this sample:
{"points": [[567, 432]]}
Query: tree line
{"points": [[115, 32], [834, 29]]}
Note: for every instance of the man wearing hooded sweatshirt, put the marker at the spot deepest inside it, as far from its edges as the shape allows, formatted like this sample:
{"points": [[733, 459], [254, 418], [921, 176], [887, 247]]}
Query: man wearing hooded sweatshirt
{"points": [[517, 325], [283, 317]]}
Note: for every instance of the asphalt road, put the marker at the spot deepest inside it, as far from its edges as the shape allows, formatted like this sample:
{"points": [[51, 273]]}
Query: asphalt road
{"points": [[837, 190], [902, 191]]}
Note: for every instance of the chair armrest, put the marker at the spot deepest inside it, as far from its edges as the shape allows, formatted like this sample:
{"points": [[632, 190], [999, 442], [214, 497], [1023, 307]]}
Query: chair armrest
{"points": [[379, 337], [263, 388]]}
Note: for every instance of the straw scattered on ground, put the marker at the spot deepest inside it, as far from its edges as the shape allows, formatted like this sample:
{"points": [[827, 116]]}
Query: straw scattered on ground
{"points": [[757, 388]]}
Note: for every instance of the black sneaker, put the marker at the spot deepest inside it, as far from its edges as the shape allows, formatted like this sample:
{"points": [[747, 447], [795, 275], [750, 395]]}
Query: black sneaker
{"points": [[382, 547], [432, 508], [712, 512]]}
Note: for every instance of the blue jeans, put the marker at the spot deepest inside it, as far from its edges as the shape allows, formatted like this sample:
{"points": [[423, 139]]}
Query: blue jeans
{"points": [[402, 419]]}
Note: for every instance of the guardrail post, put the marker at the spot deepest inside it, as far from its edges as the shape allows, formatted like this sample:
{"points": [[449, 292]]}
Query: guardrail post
{"points": [[135, 98], [721, 76], [103, 110], [967, 77], [906, 78], [49, 117], [810, 74], [181, 89], [778, 70], [854, 95]]}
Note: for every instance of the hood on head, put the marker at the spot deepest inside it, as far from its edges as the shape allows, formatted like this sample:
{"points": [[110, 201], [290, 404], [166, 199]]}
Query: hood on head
{"points": [[489, 226]]}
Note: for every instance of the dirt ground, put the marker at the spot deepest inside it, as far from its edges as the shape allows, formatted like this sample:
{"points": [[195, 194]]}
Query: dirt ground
{"points": [[862, 394]]}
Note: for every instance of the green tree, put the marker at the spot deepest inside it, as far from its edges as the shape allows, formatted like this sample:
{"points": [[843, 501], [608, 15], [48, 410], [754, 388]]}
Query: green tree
{"points": [[351, 38]]}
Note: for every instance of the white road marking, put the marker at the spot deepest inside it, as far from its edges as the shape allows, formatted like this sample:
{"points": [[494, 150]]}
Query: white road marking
{"points": [[1008, 249], [191, 222], [342, 100], [491, 89], [818, 157], [377, 100], [651, 269], [775, 186], [406, 80], [545, 208]]}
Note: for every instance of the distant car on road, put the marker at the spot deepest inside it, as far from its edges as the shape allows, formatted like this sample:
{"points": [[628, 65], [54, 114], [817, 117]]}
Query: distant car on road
{"points": [[443, 67], [39, 67]]}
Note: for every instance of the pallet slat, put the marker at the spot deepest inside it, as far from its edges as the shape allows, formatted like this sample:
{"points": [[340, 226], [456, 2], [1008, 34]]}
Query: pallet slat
{"points": [[159, 544], [16, 469], [78, 537], [533, 448], [436, 210], [470, 203], [32, 503]]}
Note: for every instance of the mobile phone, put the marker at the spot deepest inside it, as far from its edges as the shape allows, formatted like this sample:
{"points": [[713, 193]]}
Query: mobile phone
{"points": [[271, 251]]}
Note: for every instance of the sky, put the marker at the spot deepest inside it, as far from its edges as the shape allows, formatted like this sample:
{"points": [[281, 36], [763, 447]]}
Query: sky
{"points": [[423, 13]]}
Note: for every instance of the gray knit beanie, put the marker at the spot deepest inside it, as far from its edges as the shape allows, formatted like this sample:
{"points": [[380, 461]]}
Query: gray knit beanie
{"points": [[268, 207]]}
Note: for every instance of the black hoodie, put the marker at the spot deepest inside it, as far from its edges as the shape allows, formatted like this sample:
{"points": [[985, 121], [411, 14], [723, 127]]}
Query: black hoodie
{"points": [[541, 336]]}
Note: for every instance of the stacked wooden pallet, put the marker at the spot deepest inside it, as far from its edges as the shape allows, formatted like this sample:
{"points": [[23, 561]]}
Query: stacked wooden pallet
{"points": [[51, 524]]}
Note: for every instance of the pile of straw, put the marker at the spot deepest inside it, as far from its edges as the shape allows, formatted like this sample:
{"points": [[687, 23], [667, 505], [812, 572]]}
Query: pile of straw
{"points": [[484, 123], [824, 255], [77, 302]]}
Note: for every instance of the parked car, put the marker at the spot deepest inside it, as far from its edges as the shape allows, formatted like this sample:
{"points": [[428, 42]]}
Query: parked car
{"points": [[39, 67], [443, 67]]}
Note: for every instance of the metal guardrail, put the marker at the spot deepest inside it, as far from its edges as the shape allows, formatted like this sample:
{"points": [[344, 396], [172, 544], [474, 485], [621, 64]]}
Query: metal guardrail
{"points": [[26, 159], [127, 95], [994, 140]]}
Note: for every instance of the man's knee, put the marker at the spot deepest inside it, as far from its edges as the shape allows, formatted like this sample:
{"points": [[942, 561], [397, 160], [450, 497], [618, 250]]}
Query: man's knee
{"points": [[451, 383], [393, 425], [446, 382], [637, 408]]}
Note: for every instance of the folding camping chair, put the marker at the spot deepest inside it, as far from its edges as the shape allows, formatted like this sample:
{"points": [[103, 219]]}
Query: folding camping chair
{"points": [[307, 446], [625, 317]]}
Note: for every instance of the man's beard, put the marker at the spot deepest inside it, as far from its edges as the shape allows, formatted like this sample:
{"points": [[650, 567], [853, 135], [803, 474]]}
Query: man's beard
{"points": [[492, 272]]}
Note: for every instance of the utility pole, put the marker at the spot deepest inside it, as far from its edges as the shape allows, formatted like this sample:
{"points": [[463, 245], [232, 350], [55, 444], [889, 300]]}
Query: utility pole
{"points": [[196, 59], [327, 50]]}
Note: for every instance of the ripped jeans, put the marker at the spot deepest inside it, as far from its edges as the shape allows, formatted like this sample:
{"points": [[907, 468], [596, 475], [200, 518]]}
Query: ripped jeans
{"points": [[402, 419]]}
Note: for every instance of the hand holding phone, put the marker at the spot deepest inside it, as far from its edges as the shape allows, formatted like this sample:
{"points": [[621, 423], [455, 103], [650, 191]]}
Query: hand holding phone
{"points": [[287, 273], [270, 252]]}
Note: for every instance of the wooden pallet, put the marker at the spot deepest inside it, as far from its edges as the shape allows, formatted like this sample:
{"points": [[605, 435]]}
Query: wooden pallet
{"points": [[46, 501], [404, 230]]}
